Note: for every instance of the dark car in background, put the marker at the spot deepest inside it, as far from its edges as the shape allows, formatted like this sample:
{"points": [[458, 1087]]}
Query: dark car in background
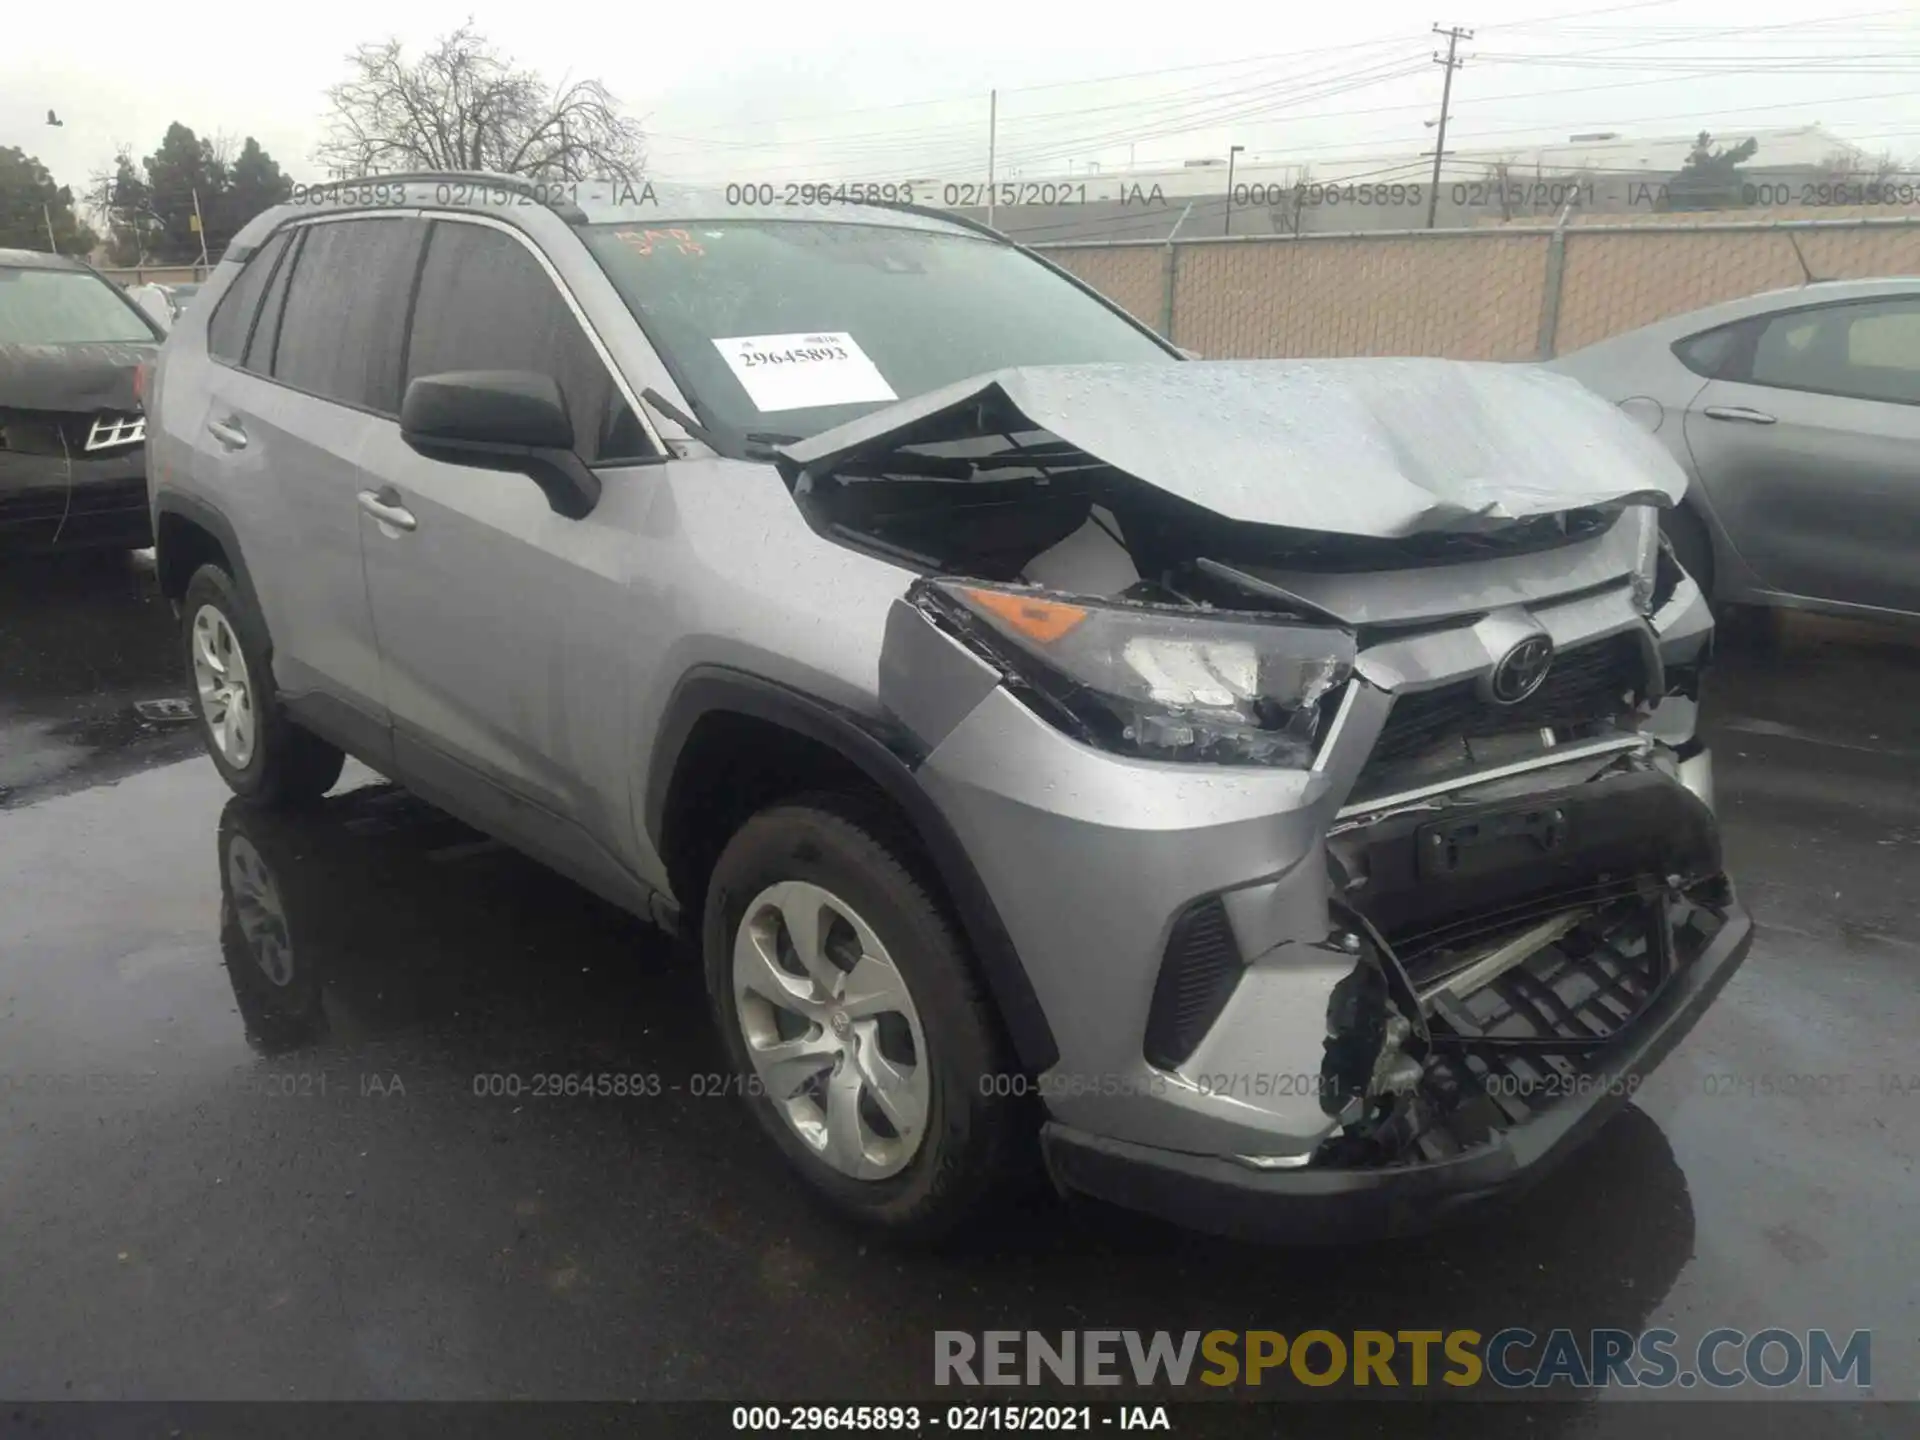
{"points": [[73, 350]]}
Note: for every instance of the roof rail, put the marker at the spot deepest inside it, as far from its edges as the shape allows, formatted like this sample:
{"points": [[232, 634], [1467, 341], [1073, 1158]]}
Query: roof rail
{"points": [[935, 213], [537, 190]]}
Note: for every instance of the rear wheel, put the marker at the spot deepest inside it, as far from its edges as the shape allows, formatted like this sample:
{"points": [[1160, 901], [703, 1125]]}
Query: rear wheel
{"points": [[259, 751], [855, 1023]]}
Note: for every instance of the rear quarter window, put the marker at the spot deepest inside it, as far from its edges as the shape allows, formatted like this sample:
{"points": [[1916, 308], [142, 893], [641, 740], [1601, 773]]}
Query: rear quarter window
{"points": [[1710, 354], [233, 317]]}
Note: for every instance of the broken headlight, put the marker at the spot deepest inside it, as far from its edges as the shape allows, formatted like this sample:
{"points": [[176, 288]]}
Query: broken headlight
{"points": [[1156, 681]]}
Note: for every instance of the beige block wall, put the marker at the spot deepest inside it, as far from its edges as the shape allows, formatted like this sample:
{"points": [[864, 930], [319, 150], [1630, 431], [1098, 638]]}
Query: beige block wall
{"points": [[1469, 296], [1475, 295], [1618, 281], [1134, 279]]}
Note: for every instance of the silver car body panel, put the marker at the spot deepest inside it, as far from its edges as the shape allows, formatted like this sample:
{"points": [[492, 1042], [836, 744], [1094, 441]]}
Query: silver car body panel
{"points": [[1348, 447]]}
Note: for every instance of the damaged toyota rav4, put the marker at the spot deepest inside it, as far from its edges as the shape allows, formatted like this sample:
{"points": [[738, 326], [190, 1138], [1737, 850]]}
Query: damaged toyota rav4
{"points": [[1265, 790]]}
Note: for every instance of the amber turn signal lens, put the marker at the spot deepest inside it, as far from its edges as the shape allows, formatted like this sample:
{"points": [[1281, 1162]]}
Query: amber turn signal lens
{"points": [[1037, 619]]}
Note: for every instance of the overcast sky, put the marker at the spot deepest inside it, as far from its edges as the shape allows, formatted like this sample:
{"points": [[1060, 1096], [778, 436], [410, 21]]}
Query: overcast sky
{"points": [[841, 89]]}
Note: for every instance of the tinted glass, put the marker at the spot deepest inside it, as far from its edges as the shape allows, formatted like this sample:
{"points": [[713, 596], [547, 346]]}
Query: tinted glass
{"points": [[346, 311], [486, 303], [266, 331], [66, 307], [1867, 351], [1708, 354], [233, 316], [924, 308]]}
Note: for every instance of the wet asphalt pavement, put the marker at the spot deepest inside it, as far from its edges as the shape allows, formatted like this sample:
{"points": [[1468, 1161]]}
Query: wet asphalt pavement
{"points": [[246, 1159]]}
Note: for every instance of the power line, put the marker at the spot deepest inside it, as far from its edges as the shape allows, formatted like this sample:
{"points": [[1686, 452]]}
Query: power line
{"points": [[974, 99], [1187, 109]]}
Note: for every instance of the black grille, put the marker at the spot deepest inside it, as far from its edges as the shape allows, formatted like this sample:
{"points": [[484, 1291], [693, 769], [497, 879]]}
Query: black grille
{"points": [[57, 432], [1201, 967], [1587, 683], [1522, 1044]]}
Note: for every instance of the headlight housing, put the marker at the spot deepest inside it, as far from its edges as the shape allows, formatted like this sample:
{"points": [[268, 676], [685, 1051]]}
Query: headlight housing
{"points": [[1647, 545], [1155, 681]]}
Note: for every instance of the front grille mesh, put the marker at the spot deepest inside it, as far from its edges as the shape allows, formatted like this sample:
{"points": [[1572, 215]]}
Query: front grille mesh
{"points": [[1587, 683]]}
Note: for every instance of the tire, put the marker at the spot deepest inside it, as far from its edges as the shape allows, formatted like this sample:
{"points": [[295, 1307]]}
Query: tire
{"points": [[968, 1154], [1692, 547], [280, 765]]}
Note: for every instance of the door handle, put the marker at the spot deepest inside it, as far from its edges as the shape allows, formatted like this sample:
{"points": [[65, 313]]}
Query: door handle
{"points": [[388, 511], [228, 433], [1738, 412]]}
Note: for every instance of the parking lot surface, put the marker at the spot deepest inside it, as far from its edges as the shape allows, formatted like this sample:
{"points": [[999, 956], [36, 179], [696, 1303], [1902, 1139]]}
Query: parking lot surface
{"points": [[280, 1117]]}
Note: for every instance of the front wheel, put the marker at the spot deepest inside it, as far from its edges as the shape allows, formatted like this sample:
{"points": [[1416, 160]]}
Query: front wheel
{"points": [[855, 1023], [259, 751]]}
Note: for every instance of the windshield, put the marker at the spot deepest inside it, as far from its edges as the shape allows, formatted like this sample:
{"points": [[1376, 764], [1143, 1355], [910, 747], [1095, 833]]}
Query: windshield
{"points": [[791, 327], [65, 307]]}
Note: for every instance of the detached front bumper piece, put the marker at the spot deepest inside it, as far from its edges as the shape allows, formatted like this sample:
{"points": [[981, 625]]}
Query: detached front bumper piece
{"points": [[1524, 1070]]}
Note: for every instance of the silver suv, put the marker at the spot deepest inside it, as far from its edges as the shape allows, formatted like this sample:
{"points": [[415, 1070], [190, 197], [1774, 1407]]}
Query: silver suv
{"points": [[1268, 786]]}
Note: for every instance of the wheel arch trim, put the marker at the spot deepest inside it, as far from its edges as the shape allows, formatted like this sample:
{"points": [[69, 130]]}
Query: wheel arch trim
{"points": [[888, 760], [198, 512]]}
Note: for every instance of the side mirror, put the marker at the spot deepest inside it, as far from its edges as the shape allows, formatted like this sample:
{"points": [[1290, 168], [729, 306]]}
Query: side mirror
{"points": [[501, 420]]}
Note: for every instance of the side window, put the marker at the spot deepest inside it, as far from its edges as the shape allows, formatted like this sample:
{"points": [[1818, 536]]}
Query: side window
{"points": [[232, 318], [485, 303], [1869, 350], [266, 330], [345, 313], [1709, 353]]}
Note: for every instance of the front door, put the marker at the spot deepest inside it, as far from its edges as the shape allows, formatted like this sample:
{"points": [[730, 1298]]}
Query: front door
{"points": [[504, 628], [1810, 450]]}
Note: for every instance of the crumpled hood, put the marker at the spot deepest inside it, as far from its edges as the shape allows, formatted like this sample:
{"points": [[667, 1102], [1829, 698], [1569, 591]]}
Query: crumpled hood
{"points": [[71, 377], [1386, 448]]}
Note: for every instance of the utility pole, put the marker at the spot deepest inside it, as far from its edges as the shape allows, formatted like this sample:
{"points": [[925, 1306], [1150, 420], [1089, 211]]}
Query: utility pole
{"points": [[47, 215], [1232, 150], [993, 131], [1454, 36], [200, 225]]}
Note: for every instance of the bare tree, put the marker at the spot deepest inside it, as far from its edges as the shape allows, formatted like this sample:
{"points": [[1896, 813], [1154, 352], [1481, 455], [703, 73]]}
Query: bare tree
{"points": [[462, 106]]}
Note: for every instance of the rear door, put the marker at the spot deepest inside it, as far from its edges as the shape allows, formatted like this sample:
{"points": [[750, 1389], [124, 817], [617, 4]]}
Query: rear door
{"points": [[318, 374], [1808, 442], [506, 629]]}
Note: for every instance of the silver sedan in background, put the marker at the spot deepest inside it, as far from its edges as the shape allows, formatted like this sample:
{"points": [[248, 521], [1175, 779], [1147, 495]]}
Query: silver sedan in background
{"points": [[1797, 414]]}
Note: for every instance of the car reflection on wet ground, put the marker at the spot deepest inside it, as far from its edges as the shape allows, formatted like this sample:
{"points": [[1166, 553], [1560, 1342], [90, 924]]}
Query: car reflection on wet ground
{"points": [[273, 1125]]}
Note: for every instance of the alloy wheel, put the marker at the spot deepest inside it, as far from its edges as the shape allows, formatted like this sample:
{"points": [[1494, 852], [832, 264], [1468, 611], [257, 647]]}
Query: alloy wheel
{"points": [[831, 1029], [226, 689]]}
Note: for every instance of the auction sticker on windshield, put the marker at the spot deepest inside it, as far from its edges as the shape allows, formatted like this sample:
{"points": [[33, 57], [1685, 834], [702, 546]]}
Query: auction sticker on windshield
{"points": [[794, 372]]}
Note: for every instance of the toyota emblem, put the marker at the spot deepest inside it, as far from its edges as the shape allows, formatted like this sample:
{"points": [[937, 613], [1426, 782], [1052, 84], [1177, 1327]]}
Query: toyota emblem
{"points": [[1522, 670]]}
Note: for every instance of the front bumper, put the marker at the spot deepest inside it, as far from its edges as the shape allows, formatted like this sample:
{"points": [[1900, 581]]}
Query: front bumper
{"points": [[1219, 951], [47, 503], [1334, 1204]]}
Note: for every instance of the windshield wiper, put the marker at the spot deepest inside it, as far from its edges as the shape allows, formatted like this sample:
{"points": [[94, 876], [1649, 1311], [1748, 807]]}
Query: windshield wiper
{"points": [[765, 444], [679, 417]]}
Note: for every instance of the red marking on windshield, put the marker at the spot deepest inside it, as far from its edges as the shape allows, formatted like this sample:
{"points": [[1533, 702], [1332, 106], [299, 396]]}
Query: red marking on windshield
{"points": [[643, 241]]}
